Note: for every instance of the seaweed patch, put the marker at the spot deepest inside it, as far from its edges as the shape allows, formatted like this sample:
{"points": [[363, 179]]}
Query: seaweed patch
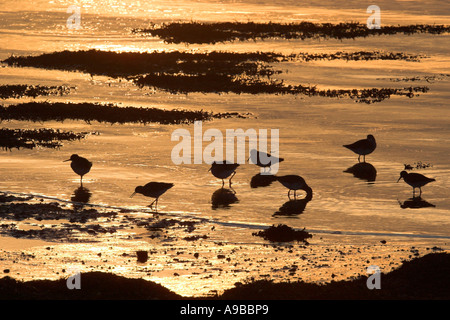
{"points": [[30, 139], [212, 72], [211, 33], [19, 91], [283, 233], [109, 113]]}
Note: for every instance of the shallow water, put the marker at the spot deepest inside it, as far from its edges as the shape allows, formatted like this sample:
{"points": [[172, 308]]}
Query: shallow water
{"points": [[345, 210]]}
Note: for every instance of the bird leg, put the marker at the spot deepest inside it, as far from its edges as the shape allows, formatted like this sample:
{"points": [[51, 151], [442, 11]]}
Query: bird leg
{"points": [[156, 205], [359, 158], [231, 177]]}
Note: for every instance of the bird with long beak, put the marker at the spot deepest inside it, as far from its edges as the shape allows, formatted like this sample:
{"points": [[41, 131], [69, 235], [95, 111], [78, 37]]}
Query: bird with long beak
{"points": [[295, 182], [153, 190], [79, 165], [415, 180]]}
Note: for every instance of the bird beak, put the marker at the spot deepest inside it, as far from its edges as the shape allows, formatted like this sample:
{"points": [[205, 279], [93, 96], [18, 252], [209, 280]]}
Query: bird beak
{"points": [[399, 179], [66, 160], [132, 194], [209, 169]]}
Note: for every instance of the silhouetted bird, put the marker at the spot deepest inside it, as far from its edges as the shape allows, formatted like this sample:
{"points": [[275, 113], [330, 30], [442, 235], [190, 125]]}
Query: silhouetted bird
{"points": [[153, 190], [223, 170], [294, 182], [363, 147], [415, 180], [79, 165], [262, 159]]}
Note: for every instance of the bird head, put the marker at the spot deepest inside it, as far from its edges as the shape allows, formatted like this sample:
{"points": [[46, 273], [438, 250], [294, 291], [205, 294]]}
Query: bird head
{"points": [[253, 156], [138, 189], [213, 164], [403, 174], [72, 158]]}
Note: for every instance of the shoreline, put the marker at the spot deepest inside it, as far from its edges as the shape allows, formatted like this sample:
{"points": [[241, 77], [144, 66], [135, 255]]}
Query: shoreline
{"points": [[211, 256], [408, 282]]}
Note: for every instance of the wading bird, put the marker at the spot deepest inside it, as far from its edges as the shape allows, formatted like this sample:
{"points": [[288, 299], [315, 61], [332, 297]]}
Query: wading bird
{"points": [[415, 180], [153, 190], [294, 182], [363, 147], [223, 170], [79, 165], [262, 159]]}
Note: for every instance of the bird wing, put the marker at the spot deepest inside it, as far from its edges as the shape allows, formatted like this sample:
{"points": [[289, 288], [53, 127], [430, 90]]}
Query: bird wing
{"points": [[356, 145], [231, 166], [416, 177]]}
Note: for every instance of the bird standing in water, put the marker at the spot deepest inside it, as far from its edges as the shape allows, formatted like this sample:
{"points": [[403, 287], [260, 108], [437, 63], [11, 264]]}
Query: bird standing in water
{"points": [[153, 190], [223, 170], [415, 180], [79, 165], [262, 159], [363, 147], [295, 182]]}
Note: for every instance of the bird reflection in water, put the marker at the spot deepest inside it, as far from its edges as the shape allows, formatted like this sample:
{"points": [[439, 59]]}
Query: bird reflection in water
{"points": [[363, 171], [223, 198], [262, 180], [415, 203], [294, 206], [80, 196]]}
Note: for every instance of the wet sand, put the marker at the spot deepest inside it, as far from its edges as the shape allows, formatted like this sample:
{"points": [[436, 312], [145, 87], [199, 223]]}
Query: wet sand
{"points": [[63, 239]]}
